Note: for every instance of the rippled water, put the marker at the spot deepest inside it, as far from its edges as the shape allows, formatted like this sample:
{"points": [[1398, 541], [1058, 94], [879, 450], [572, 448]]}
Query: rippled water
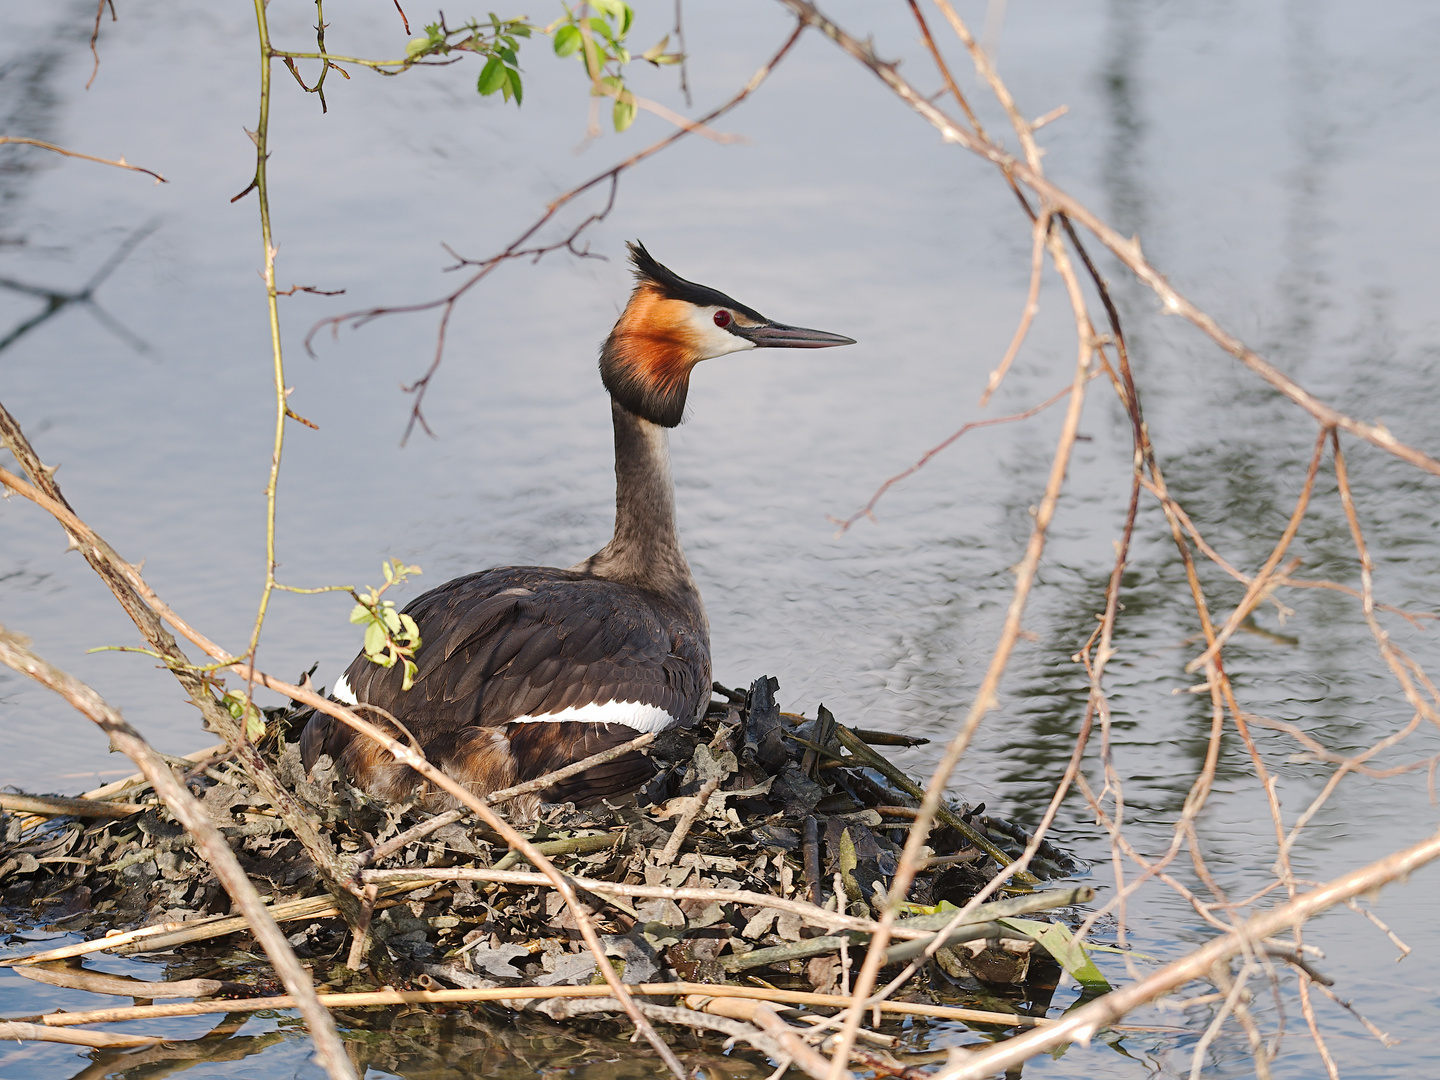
{"points": [[1278, 161]]}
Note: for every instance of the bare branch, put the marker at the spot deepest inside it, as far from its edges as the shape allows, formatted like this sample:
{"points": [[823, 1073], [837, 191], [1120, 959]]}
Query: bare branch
{"points": [[119, 163]]}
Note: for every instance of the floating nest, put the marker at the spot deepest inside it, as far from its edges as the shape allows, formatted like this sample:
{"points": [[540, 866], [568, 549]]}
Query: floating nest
{"points": [[747, 801]]}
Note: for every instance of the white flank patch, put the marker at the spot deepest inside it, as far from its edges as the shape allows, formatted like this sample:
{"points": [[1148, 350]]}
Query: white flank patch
{"points": [[342, 692], [630, 713]]}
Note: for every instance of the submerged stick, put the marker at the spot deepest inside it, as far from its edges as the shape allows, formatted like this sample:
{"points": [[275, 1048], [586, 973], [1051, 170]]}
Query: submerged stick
{"points": [[96, 982], [530, 993]]}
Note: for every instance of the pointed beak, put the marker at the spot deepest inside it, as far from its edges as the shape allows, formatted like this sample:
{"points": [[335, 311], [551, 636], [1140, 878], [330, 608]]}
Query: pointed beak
{"points": [[779, 336]]}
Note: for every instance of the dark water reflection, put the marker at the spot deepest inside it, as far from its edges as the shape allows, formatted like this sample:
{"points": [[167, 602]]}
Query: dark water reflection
{"points": [[1278, 160]]}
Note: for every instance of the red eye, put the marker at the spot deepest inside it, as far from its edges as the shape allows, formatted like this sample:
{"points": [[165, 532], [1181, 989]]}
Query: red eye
{"points": [[722, 318]]}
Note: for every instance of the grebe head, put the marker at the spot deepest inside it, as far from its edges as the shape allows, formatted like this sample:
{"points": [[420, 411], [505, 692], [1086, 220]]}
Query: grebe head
{"points": [[670, 325]]}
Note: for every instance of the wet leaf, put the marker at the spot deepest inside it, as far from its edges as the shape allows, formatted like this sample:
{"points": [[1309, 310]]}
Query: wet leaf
{"points": [[1068, 952]]}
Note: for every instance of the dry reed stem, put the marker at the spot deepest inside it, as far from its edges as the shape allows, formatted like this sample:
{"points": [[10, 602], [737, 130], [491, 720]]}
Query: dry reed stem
{"points": [[187, 810], [790, 1040], [693, 809], [51, 806], [527, 993]]}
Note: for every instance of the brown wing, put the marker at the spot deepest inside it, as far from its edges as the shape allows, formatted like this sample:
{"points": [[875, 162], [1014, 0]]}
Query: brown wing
{"points": [[527, 641]]}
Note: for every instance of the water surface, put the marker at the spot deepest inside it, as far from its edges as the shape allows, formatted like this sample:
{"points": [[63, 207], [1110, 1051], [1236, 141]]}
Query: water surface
{"points": [[1277, 159]]}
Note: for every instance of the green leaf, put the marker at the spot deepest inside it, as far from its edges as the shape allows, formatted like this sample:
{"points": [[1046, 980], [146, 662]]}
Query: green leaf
{"points": [[611, 9], [942, 908], [515, 85], [623, 114], [568, 40], [255, 726], [492, 77], [374, 639], [409, 678], [508, 55], [359, 614], [417, 45], [1068, 952], [388, 571], [410, 630]]}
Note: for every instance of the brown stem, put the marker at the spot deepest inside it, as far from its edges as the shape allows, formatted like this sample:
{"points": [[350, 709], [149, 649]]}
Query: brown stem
{"points": [[119, 163]]}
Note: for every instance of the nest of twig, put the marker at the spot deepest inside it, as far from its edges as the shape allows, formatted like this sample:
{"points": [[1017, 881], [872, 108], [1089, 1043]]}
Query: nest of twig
{"points": [[705, 876]]}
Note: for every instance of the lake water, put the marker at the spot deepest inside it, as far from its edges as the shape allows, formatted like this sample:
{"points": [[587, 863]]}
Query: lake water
{"points": [[1278, 159]]}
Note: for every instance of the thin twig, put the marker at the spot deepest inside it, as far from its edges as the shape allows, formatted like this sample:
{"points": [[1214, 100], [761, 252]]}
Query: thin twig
{"points": [[518, 248], [119, 163], [693, 809], [868, 510]]}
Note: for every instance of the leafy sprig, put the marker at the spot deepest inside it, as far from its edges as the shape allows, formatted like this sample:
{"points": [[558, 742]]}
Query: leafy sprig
{"points": [[498, 40], [390, 635], [606, 54]]}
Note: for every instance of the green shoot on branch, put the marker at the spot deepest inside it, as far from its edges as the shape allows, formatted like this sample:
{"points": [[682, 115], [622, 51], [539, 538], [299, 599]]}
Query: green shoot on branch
{"points": [[390, 635], [498, 41], [239, 705], [599, 41]]}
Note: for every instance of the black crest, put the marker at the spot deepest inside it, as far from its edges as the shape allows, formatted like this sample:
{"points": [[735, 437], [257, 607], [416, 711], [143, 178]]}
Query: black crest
{"points": [[674, 287]]}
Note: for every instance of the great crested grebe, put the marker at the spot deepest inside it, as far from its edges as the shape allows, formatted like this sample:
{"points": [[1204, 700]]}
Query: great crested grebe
{"points": [[524, 669]]}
